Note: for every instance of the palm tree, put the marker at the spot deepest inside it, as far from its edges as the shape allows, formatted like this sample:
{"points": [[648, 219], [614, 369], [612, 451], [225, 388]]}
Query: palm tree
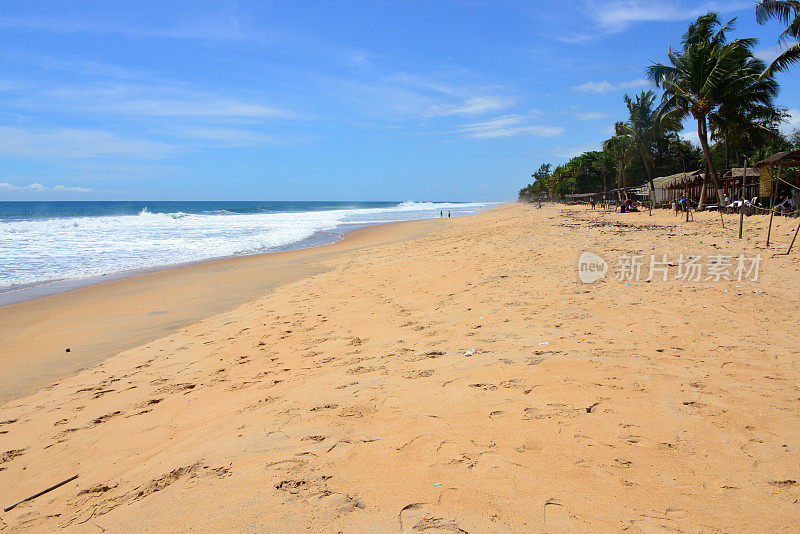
{"points": [[605, 165], [787, 12], [741, 121], [711, 77], [642, 128], [620, 147]]}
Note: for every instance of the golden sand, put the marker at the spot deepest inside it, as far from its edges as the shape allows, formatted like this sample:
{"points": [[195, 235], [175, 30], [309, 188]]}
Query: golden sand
{"points": [[456, 376]]}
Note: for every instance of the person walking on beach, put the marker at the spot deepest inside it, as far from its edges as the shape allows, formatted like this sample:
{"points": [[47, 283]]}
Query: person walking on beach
{"points": [[441, 213], [448, 214]]}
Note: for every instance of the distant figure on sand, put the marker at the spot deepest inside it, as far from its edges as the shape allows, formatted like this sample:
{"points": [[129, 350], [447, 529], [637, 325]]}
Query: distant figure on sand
{"points": [[441, 213], [448, 214], [593, 202]]}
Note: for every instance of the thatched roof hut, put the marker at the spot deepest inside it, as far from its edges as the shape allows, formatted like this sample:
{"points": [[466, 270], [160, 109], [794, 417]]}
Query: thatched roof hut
{"points": [[781, 159]]}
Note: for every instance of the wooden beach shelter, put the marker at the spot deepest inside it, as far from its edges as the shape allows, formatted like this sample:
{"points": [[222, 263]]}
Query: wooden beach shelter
{"points": [[769, 170], [659, 183], [683, 184], [770, 176]]}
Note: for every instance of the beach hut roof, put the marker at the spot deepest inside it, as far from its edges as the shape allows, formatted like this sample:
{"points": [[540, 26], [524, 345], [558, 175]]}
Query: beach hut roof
{"points": [[674, 179], [738, 172], [781, 159]]}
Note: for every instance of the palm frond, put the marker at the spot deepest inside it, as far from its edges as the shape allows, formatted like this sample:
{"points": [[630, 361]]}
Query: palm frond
{"points": [[789, 57]]}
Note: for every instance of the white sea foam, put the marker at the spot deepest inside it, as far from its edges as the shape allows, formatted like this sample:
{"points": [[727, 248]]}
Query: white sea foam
{"points": [[37, 251]]}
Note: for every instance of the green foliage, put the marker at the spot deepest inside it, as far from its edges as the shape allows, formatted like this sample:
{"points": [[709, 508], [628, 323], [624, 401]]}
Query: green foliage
{"points": [[712, 79], [539, 187], [787, 12]]}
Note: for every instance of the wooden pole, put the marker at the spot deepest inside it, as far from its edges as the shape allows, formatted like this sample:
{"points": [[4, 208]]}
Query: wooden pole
{"points": [[741, 206], [795, 237], [686, 194], [772, 201], [51, 488]]}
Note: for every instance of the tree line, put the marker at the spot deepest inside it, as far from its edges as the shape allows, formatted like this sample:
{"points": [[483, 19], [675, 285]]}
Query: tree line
{"points": [[716, 82]]}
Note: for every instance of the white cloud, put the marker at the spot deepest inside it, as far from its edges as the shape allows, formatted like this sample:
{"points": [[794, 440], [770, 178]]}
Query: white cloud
{"points": [[616, 15], [792, 122], [39, 188], [228, 136], [768, 55], [590, 115], [508, 126], [122, 98], [473, 106], [198, 108], [606, 17], [213, 27], [74, 143], [691, 136], [605, 86], [572, 151]]}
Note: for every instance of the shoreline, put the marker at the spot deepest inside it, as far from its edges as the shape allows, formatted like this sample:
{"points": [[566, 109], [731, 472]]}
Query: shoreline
{"points": [[151, 304], [17, 295]]}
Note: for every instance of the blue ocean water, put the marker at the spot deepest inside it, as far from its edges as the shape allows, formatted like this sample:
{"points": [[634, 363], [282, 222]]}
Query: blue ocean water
{"points": [[43, 242]]}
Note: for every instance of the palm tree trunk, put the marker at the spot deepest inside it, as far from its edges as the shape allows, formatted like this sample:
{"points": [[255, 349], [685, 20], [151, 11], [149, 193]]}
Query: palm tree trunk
{"points": [[605, 183], [649, 175], [727, 156], [702, 133], [620, 179], [701, 205]]}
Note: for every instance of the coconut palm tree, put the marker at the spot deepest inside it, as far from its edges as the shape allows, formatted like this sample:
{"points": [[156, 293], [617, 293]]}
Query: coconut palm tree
{"points": [[742, 120], [711, 77], [605, 165], [787, 12], [621, 148]]}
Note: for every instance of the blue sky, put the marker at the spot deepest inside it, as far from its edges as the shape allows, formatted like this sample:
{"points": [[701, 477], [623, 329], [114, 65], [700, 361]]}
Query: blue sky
{"points": [[374, 100]]}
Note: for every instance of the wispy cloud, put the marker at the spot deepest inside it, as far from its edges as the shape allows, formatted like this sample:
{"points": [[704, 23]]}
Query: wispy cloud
{"points": [[616, 15], [75, 143], [197, 108], [691, 136], [613, 16], [222, 26], [228, 136], [792, 122], [39, 188], [606, 86], [590, 115], [768, 55], [508, 126], [571, 151], [473, 106]]}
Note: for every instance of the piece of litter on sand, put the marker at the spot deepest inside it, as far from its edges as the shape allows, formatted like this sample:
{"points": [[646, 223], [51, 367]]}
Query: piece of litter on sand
{"points": [[437, 484], [367, 440], [469, 353], [544, 343]]}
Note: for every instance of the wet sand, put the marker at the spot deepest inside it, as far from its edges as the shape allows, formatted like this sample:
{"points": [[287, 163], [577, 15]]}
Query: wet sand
{"points": [[101, 320]]}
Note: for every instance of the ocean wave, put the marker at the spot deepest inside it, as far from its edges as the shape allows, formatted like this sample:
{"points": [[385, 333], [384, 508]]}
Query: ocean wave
{"points": [[40, 250]]}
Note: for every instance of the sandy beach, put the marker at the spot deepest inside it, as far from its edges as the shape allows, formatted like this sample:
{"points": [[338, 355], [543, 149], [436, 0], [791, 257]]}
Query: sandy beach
{"points": [[437, 376]]}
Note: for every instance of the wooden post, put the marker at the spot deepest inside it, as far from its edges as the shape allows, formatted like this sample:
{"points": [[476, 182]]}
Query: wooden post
{"points": [[795, 237], [772, 201], [741, 206], [686, 194]]}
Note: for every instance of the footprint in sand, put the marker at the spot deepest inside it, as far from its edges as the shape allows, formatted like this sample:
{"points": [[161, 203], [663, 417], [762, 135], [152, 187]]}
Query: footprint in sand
{"points": [[415, 518], [557, 519], [425, 373]]}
